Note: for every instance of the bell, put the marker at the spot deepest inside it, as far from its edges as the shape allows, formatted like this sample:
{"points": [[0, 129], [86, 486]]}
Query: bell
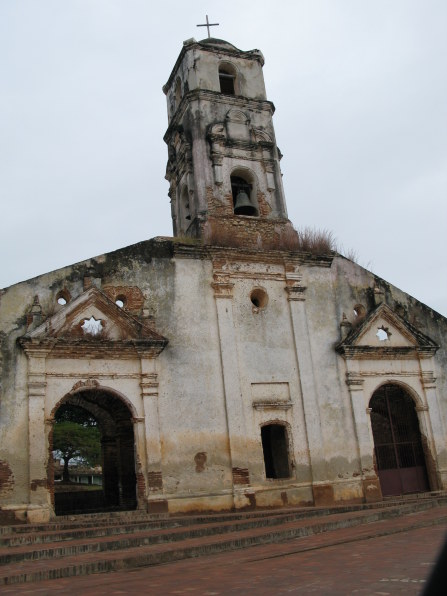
{"points": [[243, 205]]}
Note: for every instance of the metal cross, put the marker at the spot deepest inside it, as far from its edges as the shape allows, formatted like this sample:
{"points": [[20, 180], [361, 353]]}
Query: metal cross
{"points": [[208, 25]]}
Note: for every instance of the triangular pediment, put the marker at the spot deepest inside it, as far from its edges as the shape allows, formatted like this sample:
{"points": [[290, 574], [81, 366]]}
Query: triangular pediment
{"points": [[385, 334], [93, 319]]}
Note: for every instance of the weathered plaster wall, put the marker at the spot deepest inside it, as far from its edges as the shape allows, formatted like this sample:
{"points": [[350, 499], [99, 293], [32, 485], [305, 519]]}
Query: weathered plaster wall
{"points": [[229, 368]]}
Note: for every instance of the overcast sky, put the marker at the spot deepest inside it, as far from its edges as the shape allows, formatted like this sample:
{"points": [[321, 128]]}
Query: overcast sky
{"points": [[360, 89]]}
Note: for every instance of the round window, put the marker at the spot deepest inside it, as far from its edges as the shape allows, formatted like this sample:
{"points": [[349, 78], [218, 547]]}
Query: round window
{"points": [[259, 298]]}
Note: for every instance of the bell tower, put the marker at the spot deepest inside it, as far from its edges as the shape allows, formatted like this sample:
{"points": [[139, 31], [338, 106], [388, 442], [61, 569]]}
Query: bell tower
{"points": [[223, 165]]}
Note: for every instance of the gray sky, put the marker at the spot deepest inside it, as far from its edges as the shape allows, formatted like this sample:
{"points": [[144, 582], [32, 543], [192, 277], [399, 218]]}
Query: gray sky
{"points": [[360, 89]]}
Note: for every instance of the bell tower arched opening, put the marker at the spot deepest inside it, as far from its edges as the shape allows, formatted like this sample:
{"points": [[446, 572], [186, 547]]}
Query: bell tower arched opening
{"points": [[398, 448], [227, 78], [243, 195], [112, 484]]}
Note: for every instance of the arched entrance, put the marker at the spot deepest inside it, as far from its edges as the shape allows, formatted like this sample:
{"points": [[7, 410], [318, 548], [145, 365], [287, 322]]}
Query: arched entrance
{"points": [[398, 447], [117, 455]]}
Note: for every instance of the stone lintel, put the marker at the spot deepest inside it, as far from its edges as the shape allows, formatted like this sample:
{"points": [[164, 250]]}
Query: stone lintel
{"points": [[272, 405]]}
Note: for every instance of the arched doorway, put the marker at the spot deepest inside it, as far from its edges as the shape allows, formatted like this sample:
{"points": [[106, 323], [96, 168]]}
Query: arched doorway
{"points": [[398, 447], [117, 455]]}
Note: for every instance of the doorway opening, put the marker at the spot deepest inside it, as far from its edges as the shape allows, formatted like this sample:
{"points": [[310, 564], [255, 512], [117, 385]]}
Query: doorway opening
{"points": [[276, 451], [93, 454], [399, 453]]}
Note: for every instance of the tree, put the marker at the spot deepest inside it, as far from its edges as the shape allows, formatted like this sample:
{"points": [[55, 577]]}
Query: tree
{"points": [[76, 436], [69, 413]]}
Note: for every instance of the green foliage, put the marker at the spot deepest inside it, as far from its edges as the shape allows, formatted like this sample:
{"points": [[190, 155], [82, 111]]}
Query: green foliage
{"points": [[72, 440], [69, 413]]}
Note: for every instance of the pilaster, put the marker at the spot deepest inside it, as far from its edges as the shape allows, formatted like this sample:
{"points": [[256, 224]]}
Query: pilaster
{"points": [[363, 430], [39, 497], [430, 418], [151, 428], [296, 298], [223, 293]]}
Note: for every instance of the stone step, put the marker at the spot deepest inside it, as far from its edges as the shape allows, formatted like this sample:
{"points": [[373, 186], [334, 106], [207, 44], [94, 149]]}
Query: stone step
{"points": [[83, 541], [155, 547], [133, 518], [68, 530]]}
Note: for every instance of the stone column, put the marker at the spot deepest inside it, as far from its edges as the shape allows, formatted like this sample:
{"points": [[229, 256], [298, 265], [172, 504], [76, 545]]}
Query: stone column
{"points": [[322, 490], [223, 293], [149, 394], [40, 508]]}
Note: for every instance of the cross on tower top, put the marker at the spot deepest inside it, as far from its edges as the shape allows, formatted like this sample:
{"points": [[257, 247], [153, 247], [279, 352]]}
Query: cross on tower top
{"points": [[208, 25]]}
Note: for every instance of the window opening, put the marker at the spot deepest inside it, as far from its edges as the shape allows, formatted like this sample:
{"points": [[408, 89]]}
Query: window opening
{"points": [[178, 93], [276, 453], [185, 208], [226, 80], [241, 191]]}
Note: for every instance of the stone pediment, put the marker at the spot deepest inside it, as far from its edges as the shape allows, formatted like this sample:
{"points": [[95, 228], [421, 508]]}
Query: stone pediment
{"points": [[384, 334], [93, 323]]}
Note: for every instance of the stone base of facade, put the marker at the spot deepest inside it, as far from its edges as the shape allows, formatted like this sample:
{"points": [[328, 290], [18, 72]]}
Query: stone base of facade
{"points": [[32, 514], [323, 495], [372, 490], [157, 506], [200, 504], [264, 497], [442, 480], [284, 496]]}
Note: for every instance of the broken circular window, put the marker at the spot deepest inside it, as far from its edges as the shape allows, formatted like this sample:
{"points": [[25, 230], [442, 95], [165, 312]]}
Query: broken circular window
{"points": [[92, 326], [383, 333], [359, 312], [63, 297], [120, 301], [259, 299]]}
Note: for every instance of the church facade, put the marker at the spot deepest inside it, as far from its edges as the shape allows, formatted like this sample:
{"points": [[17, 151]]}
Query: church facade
{"points": [[225, 366]]}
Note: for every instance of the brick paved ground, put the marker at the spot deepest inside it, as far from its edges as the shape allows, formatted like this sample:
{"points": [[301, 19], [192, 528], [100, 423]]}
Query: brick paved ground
{"points": [[394, 564]]}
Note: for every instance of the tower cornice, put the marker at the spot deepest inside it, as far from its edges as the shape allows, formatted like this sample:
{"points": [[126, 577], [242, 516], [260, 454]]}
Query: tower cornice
{"points": [[236, 101], [203, 46]]}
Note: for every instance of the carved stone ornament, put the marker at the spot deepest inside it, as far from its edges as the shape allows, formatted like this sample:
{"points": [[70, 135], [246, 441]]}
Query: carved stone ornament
{"points": [[88, 384], [122, 335], [406, 341]]}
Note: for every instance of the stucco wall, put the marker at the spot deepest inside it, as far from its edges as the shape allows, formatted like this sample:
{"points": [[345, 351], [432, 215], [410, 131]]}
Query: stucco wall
{"points": [[229, 368]]}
